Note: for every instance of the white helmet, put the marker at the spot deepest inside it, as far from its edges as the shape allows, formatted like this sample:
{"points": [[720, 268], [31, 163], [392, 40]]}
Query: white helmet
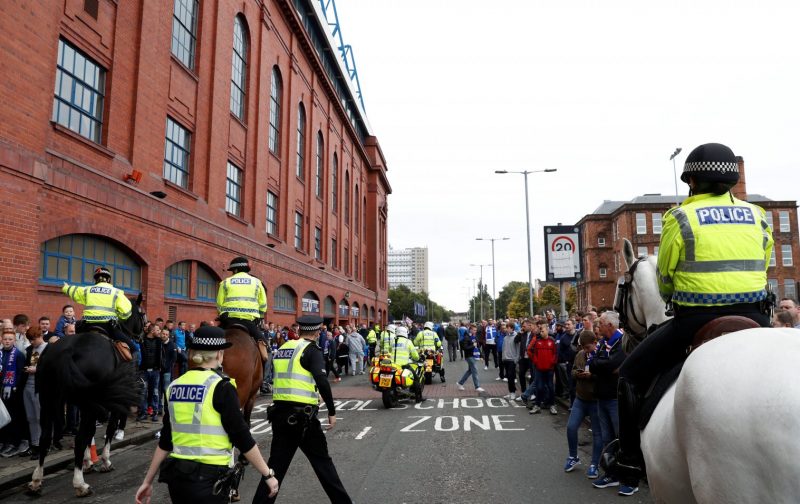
{"points": [[391, 328], [402, 331], [429, 325]]}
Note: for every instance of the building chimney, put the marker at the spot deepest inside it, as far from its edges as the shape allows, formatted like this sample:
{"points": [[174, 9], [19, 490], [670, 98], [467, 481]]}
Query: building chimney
{"points": [[740, 189]]}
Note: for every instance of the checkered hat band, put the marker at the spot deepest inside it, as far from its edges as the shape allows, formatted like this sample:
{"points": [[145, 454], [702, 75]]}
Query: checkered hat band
{"points": [[309, 328], [239, 265], [209, 341], [707, 166]]}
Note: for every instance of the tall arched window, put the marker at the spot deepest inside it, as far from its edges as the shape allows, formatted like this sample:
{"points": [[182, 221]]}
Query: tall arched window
{"points": [[73, 259], [335, 184], [320, 155], [176, 280], [364, 215], [301, 140], [285, 299], [275, 92], [239, 67], [207, 284], [357, 213], [347, 197], [329, 307], [310, 302]]}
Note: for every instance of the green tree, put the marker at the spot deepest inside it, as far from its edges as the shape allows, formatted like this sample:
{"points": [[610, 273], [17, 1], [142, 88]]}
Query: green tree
{"points": [[550, 298], [505, 295], [482, 301], [518, 307]]}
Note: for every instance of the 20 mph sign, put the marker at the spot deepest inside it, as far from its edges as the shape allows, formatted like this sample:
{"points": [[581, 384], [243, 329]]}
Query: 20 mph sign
{"points": [[562, 253]]}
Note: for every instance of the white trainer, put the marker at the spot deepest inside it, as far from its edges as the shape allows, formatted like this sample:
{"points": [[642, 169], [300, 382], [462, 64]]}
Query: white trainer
{"points": [[480, 389], [119, 435], [461, 387]]}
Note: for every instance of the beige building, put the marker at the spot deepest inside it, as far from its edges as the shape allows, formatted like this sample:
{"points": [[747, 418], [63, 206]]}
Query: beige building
{"points": [[409, 267]]}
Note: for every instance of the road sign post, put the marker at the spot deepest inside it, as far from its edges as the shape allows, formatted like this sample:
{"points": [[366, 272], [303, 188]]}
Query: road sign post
{"points": [[563, 256]]}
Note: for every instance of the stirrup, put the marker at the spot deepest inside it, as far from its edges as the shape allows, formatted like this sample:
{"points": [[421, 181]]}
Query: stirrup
{"points": [[123, 350]]}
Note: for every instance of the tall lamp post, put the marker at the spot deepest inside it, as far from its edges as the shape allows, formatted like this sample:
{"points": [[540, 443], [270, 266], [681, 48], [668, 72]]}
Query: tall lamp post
{"points": [[528, 229], [494, 298], [480, 284], [675, 173]]}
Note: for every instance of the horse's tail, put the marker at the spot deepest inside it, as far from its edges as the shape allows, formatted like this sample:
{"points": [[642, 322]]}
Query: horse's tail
{"points": [[116, 392]]}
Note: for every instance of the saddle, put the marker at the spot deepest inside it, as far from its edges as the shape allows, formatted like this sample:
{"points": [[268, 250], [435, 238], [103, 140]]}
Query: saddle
{"points": [[262, 347], [711, 330], [122, 348]]}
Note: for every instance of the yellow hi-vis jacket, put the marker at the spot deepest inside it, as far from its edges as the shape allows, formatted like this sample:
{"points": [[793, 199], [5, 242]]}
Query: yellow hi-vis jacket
{"points": [[242, 296], [103, 301], [427, 339], [404, 352], [291, 381], [714, 252], [197, 432], [372, 336], [386, 342]]}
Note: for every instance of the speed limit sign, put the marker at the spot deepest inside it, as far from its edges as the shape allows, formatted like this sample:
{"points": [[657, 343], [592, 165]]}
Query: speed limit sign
{"points": [[562, 253]]}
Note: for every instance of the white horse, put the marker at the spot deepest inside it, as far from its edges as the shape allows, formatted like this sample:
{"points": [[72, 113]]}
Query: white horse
{"points": [[728, 430]]}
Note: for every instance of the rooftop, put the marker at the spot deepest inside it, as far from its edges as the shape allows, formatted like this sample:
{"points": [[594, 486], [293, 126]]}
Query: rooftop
{"points": [[611, 206]]}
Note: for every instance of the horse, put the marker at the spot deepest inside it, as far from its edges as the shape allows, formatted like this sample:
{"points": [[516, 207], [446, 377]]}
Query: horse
{"points": [[727, 429], [242, 363], [85, 370]]}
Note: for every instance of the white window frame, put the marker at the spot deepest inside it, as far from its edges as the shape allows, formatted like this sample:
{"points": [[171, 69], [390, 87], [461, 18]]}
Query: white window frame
{"points": [[601, 242], [641, 223], [603, 272], [656, 217], [298, 230], [786, 255], [772, 261], [641, 251], [783, 221]]}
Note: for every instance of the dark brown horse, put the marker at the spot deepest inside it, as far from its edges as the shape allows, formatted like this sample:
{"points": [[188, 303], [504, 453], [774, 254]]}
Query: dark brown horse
{"points": [[242, 362]]}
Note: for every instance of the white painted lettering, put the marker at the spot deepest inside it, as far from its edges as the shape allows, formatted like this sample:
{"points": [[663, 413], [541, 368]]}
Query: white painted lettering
{"points": [[363, 432], [467, 402], [260, 408], [496, 402], [410, 428], [347, 406], [453, 403], [261, 427], [483, 424], [498, 423], [419, 405], [363, 407], [438, 425]]}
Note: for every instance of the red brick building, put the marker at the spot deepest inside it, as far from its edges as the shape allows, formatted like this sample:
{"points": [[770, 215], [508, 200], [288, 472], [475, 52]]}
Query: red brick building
{"points": [[639, 220], [164, 138]]}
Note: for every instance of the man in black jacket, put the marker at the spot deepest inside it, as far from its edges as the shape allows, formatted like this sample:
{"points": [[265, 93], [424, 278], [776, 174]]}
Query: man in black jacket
{"points": [[151, 373], [524, 339]]}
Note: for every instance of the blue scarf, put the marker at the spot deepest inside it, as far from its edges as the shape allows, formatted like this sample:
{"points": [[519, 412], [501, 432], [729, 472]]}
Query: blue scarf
{"points": [[9, 360]]}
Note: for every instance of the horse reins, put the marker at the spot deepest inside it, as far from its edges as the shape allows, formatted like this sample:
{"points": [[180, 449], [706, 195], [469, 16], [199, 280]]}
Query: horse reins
{"points": [[625, 300]]}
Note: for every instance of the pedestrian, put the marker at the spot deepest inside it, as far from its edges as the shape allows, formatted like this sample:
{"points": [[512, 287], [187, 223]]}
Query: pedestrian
{"points": [[490, 344], [583, 406], [342, 351], [470, 346], [451, 335], [12, 361], [356, 346], [30, 395], [524, 341], [202, 400], [510, 357], [544, 356], [299, 381], [67, 317]]}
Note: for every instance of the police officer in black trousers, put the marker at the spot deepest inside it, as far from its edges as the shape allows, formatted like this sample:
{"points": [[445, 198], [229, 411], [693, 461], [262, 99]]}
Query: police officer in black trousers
{"points": [[202, 425], [299, 378]]}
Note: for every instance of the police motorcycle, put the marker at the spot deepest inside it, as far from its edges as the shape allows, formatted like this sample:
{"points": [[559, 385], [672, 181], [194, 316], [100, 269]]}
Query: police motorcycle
{"points": [[432, 363], [396, 382]]}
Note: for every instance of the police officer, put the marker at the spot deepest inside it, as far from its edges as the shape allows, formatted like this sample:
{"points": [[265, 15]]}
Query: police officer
{"points": [[372, 339], [299, 378], [202, 424], [105, 306], [712, 261], [427, 339], [241, 299], [387, 339], [405, 354]]}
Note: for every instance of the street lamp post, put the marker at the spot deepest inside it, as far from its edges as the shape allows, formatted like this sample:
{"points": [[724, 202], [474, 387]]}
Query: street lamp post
{"points": [[675, 173], [480, 284], [528, 229], [494, 298]]}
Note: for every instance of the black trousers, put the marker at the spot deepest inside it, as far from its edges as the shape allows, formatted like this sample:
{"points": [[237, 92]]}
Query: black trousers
{"points": [[308, 436], [192, 483], [511, 371], [251, 325], [524, 367], [489, 349]]}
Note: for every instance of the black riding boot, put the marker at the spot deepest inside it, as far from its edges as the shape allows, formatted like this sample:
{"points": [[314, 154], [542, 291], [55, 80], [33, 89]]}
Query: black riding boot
{"points": [[629, 457]]}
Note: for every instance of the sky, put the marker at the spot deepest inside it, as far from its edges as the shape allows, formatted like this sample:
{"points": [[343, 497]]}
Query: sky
{"points": [[603, 92]]}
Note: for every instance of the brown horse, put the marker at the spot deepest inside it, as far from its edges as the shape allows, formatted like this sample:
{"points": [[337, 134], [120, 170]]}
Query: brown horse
{"points": [[243, 363]]}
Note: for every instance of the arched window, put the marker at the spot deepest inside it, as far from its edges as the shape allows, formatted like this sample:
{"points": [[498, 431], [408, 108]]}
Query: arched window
{"points": [[285, 299], [357, 214], [344, 308], [335, 184], [310, 302], [364, 213], [275, 92], [207, 284], [320, 155], [239, 67], [355, 310], [73, 259], [372, 314], [176, 280], [329, 307], [301, 141], [347, 197]]}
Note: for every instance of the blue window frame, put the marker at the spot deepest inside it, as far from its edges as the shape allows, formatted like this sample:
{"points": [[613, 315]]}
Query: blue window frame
{"points": [[207, 284], [79, 92], [73, 259], [176, 280]]}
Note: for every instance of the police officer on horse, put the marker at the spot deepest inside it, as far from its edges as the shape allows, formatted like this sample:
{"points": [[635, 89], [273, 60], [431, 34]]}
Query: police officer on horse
{"points": [[241, 299], [202, 425]]}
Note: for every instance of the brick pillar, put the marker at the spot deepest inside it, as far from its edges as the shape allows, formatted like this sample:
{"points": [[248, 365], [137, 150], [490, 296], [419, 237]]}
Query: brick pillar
{"points": [[740, 189]]}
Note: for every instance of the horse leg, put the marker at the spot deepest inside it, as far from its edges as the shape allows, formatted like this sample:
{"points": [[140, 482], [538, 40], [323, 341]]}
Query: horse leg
{"points": [[46, 412], [83, 460], [105, 457]]}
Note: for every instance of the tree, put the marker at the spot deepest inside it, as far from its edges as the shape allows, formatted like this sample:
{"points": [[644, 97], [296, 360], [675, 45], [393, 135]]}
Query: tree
{"points": [[572, 298], [481, 302], [518, 306], [550, 298], [505, 295], [403, 305]]}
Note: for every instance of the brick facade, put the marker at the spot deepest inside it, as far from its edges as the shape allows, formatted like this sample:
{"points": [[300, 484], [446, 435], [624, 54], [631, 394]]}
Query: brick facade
{"points": [[602, 233], [58, 183]]}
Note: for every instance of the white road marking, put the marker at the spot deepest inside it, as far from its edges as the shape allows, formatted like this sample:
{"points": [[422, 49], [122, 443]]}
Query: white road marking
{"points": [[363, 432]]}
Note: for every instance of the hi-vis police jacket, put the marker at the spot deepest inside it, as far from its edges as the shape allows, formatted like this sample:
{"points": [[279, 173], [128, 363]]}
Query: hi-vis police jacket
{"points": [[103, 301], [714, 252], [242, 296]]}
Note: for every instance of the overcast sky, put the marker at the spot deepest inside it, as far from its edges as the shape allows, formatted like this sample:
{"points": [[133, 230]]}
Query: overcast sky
{"points": [[602, 91]]}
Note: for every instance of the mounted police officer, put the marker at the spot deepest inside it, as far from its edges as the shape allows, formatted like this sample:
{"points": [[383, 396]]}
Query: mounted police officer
{"points": [[298, 381], [106, 305], [202, 424], [712, 261], [241, 299], [427, 339]]}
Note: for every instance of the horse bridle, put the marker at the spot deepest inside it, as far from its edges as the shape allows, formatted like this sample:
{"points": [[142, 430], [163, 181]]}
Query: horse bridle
{"points": [[624, 300]]}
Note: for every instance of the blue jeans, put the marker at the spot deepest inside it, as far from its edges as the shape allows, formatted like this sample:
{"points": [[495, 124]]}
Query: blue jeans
{"points": [[151, 397], [609, 419], [470, 371], [580, 409], [545, 390]]}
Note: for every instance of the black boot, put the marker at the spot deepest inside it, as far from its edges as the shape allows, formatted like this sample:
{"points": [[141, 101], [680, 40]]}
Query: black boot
{"points": [[629, 458]]}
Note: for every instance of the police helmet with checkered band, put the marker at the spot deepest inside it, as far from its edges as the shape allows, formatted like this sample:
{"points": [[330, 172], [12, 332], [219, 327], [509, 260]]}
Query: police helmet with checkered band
{"points": [[711, 162], [208, 338]]}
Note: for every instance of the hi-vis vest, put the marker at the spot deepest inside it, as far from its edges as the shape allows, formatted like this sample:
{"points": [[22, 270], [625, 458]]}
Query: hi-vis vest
{"points": [[291, 381], [714, 252], [403, 351], [387, 342], [103, 301], [242, 296], [197, 432], [372, 336], [427, 339]]}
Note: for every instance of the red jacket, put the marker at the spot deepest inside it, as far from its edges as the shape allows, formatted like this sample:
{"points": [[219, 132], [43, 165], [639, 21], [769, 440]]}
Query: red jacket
{"points": [[544, 354]]}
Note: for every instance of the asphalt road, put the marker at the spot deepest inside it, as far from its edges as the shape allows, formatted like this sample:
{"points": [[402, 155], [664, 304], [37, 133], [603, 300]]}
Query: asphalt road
{"points": [[465, 449]]}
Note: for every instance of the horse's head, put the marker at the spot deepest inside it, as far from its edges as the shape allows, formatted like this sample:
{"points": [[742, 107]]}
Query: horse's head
{"points": [[637, 298], [134, 325]]}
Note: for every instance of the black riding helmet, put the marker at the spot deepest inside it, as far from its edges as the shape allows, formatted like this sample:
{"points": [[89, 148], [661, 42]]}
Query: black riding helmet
{"points": [[711, 162], [102, 272], [239, 264]]}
